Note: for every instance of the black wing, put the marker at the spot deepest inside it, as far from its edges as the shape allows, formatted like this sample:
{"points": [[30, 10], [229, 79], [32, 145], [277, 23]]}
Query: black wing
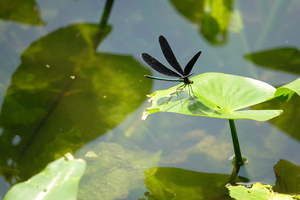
{"points": [[156, 65], [169, 55], [188, 68]]}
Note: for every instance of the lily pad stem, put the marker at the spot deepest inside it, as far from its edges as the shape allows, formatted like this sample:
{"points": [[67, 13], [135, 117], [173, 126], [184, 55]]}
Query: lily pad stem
{"points": [[236, 144]]}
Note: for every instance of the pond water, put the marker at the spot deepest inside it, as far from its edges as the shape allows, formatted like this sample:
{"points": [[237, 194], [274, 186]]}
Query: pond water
{"points": [[72, 80]]}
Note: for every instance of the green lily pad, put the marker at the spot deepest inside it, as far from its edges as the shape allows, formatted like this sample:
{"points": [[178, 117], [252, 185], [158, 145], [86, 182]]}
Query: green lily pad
{"points": [[59, 180], [257, 192], [216, 95], [212, 17], [286, 92], [175, 183], [284, 59], [287, 177]]}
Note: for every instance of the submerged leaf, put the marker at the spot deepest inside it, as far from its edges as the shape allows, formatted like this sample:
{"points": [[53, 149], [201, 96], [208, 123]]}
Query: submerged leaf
{"points": [[27, 12], [208, 146], [216, 95], [112, 173], [63, 95]]}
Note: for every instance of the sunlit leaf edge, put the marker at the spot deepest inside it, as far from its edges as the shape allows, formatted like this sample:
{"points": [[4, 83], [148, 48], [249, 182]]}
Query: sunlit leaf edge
{"points": [[286, 92]]}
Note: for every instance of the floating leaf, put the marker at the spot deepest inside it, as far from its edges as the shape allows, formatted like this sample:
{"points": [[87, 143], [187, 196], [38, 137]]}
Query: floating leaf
{"points": [[283, 59], [59, 180], [286, 92], [174, 183], [287, 177], [212, 16], [216, 95], [257, 192]]}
